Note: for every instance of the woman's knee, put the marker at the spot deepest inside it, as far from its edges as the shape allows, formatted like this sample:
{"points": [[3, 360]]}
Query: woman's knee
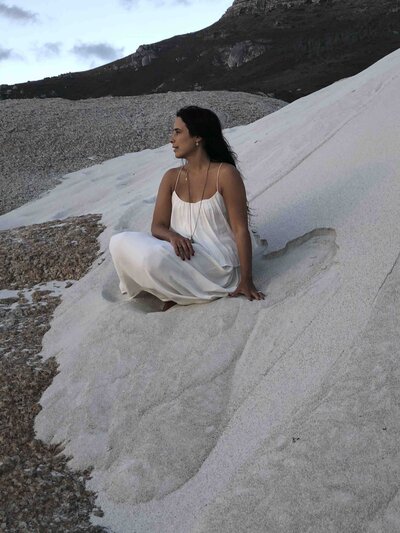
{"points": [[115, 240], [153, 258]]}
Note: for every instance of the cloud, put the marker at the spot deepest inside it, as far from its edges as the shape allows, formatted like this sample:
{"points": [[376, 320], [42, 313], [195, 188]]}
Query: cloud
{"points": [[47, 50], [16, 13], [8, 53], [5, 53], [129, 4], [102, 51]]}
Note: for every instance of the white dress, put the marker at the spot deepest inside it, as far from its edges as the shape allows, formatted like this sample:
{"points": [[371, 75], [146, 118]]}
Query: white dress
{"points": [[145, 263]]}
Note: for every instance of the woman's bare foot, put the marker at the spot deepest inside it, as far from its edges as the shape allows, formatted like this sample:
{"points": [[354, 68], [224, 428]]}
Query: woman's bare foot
{"points": [[168, 305]]}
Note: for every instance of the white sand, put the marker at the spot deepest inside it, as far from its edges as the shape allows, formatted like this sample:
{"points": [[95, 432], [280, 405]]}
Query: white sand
{"points": [[280, 415]]}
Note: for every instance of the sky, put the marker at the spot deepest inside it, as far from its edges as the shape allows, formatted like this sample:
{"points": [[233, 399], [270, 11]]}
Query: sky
{"points": [[41, 38]]}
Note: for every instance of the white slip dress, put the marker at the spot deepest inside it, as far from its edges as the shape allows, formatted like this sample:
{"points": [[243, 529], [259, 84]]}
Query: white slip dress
{"points": [[146, 263]]}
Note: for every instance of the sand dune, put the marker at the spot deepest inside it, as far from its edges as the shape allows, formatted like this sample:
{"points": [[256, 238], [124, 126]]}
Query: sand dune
{"points": [[279, 415]]}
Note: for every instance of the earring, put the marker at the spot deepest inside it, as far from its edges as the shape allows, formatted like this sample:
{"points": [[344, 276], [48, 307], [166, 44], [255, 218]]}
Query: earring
{"points": [[197, 143]]}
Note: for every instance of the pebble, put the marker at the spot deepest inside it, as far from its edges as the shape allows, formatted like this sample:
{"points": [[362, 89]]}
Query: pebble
{"points": [[38, 491], [44, 139]]}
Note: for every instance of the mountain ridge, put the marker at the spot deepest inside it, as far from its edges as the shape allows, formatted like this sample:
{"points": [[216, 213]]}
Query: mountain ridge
{"points": [[279, 48]]}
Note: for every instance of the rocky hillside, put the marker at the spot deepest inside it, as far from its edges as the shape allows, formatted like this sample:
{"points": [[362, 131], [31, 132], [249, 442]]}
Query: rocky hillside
{"points": [[285, 49]]}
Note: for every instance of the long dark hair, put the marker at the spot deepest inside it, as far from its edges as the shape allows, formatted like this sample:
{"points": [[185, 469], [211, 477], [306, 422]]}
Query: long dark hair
{"points": [[206, 124]]}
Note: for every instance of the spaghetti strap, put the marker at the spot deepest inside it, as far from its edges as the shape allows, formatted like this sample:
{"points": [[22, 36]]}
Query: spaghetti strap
{"points": [[179, 173], [219, 168]]}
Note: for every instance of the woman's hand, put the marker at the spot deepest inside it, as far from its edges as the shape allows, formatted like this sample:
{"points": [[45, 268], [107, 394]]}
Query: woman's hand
{"points": [[182, 246], [247, 288]]}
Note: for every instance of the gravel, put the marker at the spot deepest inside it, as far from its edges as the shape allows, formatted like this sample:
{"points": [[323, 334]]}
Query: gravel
{"points": [[43, 139], [38, 491]]}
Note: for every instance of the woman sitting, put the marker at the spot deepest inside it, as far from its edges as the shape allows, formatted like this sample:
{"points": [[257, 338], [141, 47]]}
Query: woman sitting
{"points": [[200, 248]]}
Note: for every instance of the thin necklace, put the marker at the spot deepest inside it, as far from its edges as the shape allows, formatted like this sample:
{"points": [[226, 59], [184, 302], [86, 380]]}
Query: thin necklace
{"points": [[190, 203]]}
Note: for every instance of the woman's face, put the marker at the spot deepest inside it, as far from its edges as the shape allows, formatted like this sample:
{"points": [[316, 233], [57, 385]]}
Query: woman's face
{"points": [[182, 142]]}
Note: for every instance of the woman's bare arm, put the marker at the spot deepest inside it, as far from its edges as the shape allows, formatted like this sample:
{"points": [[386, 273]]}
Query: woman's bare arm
{"points": [[160, 226], [162, 210], [234, 194]]}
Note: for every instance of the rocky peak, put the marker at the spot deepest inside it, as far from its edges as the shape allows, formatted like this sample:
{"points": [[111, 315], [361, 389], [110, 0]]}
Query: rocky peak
{"points": [[143, 56], [249, 7]]}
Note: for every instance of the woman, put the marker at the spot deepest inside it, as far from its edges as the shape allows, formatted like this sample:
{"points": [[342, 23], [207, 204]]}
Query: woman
{"points": [[200, 248]]}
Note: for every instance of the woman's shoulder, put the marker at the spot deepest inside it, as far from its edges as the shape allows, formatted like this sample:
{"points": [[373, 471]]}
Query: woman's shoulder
{"points": [[228, 172], [171, 175], [225, 165], [227, 168], [172, 171]]}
